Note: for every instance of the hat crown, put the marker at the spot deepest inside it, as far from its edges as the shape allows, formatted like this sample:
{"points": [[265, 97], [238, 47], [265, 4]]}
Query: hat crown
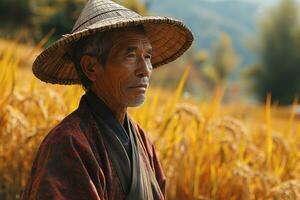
{"points": [[96, 11]]}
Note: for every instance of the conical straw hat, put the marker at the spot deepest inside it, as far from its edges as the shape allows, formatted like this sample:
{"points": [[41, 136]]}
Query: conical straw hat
{"points": [[169, 38]]}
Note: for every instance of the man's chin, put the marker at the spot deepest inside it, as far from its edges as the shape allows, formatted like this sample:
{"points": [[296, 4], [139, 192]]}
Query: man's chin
{"points": [[136, 102]]}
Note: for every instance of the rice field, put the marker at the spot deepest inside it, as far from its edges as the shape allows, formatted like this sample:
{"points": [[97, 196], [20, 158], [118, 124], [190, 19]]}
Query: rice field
{"points": [[209, 151]]}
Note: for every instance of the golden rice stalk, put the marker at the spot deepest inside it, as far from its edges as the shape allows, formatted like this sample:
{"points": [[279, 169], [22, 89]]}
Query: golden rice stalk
{"points": [[269, 141], [289, 190]]}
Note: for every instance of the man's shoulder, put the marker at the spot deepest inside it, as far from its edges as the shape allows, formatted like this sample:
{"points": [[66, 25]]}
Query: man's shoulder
{"points": [[68, 129], [66, 141]]}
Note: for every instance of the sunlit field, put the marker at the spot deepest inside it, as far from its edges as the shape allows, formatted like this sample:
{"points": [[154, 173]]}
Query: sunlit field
{"points": [[208, 150]]}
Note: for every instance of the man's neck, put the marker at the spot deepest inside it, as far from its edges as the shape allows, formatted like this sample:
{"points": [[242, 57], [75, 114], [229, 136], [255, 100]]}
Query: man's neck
{"points": [[118, 111]]}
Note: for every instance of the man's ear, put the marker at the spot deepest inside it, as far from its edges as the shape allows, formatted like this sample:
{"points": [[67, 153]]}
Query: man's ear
{"points": [[89, 66]]}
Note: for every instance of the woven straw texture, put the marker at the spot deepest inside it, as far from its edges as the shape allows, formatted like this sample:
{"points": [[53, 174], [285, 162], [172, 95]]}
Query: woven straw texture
{"points": [[169, 38]]}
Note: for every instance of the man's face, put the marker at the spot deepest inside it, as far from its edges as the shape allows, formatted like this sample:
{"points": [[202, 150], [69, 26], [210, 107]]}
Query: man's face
{"points": [[125, 77]]}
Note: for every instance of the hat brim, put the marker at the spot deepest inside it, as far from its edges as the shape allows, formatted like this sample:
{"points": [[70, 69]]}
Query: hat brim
{"points": [[169, 38]]}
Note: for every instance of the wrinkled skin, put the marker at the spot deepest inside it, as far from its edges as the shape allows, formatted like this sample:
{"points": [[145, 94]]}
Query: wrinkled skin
{"points": [[124, 79]]}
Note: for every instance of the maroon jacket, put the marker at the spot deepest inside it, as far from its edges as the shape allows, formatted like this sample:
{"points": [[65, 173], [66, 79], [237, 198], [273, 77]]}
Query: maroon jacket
{"points": [[72, 163]]}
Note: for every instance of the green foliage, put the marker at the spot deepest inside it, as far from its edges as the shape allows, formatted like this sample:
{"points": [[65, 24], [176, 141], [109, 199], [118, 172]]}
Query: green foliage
{"points": [[224, 58], [278, 70], [40, 17], [60, 15], [15, 12], [221, 63]]}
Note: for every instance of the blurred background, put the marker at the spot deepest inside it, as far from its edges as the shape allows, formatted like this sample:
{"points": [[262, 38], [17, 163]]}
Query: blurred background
{"points": [[227, 110], [249, 47]]}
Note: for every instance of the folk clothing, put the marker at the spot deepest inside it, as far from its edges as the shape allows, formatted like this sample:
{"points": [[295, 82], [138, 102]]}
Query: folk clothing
{"points": [[91, 156]]}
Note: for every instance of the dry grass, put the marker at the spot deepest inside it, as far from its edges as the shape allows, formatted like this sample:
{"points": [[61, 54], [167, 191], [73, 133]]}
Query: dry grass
{"points": [[208, 150]]}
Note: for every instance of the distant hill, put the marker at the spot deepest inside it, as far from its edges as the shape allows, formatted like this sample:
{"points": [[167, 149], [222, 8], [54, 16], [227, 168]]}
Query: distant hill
{"points": [[208, 19]]}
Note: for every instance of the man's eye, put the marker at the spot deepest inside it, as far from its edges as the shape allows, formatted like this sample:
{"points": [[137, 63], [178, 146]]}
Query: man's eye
{"points": [[131, 55]]}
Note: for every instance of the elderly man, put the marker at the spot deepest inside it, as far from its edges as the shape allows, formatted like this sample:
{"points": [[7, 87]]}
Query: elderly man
{"points": [[98, 152]]}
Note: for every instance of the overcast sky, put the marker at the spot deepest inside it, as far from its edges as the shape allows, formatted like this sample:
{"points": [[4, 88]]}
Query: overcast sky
{"points": [[260, 2], [263, 2]]}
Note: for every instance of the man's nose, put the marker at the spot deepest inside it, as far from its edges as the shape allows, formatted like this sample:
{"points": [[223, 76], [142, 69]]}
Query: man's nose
{"points": [[144, 68]]}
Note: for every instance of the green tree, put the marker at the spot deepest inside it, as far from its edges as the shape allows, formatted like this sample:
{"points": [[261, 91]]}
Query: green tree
{"points": [[222, 62], [279, 62], [60, 15], [15, 12], [42, 16]]}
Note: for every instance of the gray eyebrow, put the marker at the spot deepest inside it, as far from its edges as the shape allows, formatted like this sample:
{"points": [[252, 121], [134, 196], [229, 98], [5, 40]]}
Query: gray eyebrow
{"points": [[133, 48]]}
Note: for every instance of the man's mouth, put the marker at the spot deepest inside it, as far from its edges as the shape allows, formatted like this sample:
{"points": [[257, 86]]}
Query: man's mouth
{"points": [[140, 87]]}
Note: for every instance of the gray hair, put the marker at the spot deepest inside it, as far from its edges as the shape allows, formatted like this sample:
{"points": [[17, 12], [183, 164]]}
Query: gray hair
{"points": [[97, 45]]}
